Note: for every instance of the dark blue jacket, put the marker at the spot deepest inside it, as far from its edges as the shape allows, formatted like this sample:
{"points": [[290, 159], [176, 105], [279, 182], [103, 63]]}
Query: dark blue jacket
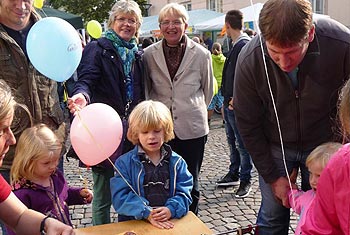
{"points": [[101, 80], [230, 68], [101, 76]]}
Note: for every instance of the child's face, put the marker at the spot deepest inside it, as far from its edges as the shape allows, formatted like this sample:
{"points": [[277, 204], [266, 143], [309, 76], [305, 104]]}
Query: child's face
{"points": [[315, 170], [47, 165], [151, 141]]}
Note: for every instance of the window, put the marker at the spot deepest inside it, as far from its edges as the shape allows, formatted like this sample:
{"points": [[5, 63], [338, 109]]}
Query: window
{"points": [[215, 5], [187, 5], [317, 6]]}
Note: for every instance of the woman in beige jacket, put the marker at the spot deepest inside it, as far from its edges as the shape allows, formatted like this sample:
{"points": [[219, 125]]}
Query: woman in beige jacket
{"points": [[180, 75]]}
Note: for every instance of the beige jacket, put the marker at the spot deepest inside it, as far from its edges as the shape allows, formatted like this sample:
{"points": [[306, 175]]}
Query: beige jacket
{"points": [[191, 91]]}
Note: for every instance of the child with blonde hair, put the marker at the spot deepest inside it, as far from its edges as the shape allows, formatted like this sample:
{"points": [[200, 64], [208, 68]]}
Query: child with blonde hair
{"points": [[218, 61], [299, 200], [152, 181], [329, 212], [35, 179]]}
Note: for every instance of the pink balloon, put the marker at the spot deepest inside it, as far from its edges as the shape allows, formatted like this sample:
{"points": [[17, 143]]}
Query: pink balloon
{"points": [[96, 133]]}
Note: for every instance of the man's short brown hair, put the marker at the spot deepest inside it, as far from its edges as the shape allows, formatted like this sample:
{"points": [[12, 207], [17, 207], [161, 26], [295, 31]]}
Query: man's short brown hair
{"points": [[285, 22], [235, 19]]}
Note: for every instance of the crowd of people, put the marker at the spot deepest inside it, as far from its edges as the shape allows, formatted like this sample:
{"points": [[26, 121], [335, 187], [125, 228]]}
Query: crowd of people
{"points": [[295, 78]]}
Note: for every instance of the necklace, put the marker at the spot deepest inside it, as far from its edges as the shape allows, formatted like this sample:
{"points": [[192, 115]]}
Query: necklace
{"points": [[51, 187]]}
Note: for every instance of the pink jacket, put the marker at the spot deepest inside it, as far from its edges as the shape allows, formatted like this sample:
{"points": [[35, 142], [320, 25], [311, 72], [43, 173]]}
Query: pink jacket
{"points": [[330, 211], [300, 204]]}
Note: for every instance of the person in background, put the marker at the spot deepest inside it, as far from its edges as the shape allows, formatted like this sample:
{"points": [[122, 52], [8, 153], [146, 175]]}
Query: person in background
{"points": [[299, 200], [37, 93], [111, 72], [329, 212], [12, 211], [207, 40], [159, 177], [251, 33], [307, 62], [180, 76], [199, 41], [226, 45], [35, 179], [218, 60], [196, 39], [146, 42], [240, 161]]}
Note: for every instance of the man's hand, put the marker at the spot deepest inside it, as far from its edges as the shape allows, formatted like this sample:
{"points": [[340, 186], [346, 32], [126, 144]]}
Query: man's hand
{"points": [[230, 104], [280, 189]]}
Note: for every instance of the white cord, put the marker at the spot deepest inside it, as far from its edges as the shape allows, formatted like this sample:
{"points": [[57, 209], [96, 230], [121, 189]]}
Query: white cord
{"points": [[273, 100]]}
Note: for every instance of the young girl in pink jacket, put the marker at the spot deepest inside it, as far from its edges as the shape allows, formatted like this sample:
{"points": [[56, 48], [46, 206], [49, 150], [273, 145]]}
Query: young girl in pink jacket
{"points": [[329, 212], [299, 200]]}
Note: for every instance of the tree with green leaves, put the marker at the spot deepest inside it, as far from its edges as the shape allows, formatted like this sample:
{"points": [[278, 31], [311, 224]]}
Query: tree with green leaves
{"points": [[90, 9]]}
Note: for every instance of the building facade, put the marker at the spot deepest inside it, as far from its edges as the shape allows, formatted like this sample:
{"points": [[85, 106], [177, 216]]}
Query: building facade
{"points": [[336, 9]]}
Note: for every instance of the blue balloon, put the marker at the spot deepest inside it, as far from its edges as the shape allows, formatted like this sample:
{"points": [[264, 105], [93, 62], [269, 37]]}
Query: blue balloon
{"points": [[54, 48]]}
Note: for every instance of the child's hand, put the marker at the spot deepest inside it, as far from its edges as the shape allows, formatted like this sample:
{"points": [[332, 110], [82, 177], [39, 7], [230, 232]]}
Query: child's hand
{"points": [[160, 224], [161, 214], [87, 195]]}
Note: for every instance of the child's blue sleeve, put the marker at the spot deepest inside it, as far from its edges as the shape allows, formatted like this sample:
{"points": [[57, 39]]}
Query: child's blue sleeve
{"points": [[124, 200], [179, 204]]}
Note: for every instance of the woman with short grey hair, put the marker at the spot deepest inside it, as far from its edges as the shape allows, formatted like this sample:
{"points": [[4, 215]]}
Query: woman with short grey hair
{"points": [[111, 72]]}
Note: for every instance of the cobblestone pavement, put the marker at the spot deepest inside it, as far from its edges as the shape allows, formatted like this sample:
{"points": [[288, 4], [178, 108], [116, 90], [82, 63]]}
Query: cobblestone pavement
{"points": [[219, 209]]}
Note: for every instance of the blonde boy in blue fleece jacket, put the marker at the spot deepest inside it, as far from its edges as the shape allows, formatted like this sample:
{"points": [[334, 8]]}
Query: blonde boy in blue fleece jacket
{"points": [[161, 184]]}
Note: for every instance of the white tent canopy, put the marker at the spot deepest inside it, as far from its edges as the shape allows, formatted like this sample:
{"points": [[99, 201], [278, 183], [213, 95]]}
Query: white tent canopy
{"points": [[150, 23], [250, 13]]}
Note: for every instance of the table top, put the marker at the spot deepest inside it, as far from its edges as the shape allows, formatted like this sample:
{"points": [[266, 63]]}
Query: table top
{"points": [[187, 225]]}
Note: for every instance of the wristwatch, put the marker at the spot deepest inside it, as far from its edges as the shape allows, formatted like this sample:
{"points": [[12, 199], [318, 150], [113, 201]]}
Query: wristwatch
{"points": [[42, 226]]}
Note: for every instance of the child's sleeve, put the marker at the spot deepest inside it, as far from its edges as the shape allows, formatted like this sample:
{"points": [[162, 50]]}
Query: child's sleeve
{"points": [[328, 213], [124, 200], [179, 204], [295, 200], [74, 197]]}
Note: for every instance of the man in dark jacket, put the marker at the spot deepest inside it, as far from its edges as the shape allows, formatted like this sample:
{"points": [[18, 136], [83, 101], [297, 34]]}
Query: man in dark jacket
{"points": [[285, 92], [240, 161], [37, 93]]}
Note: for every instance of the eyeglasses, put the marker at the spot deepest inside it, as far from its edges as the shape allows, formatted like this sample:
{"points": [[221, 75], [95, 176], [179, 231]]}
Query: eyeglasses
{"points": [[125, 20], [176, 23]]}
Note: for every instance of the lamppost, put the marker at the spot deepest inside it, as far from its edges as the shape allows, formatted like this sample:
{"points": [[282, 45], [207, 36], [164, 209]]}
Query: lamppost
{"points": [[146, 7]]}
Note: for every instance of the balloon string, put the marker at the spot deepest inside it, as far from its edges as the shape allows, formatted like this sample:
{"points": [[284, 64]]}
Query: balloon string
{"points": [[65, 92], [43, 12], [89, 132], [85, 182], [100, 147], [129, 185]]}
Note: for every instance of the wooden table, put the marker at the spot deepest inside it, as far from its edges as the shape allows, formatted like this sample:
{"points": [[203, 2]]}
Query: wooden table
{"points": [[188, 225]]}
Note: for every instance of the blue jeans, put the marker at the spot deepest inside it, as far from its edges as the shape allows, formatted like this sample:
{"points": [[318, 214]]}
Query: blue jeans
{"points": [[273, 218], [101, 205], [239, 157]]}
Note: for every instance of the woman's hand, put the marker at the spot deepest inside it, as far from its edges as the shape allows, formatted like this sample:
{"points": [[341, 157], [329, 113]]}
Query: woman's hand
{"points": [[76, 103], [55, 227]]}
